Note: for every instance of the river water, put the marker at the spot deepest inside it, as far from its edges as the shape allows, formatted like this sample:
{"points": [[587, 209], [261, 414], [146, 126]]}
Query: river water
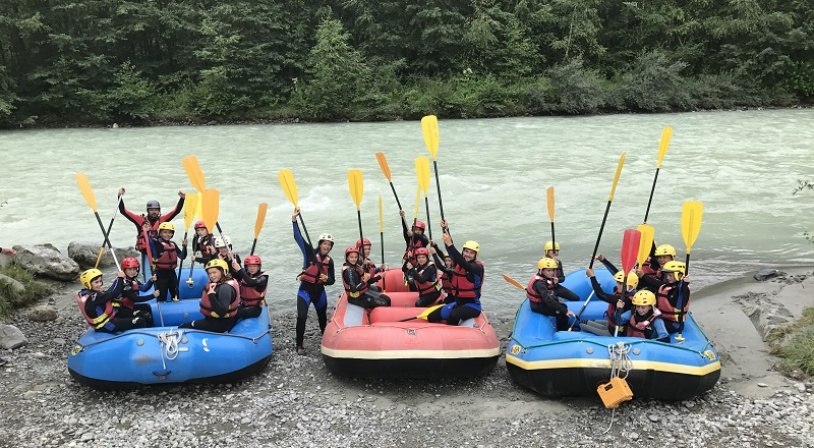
{"points": [[494, 173]]}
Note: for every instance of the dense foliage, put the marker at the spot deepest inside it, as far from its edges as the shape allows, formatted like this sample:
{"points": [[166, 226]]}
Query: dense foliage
{"points": [[96, 61]]}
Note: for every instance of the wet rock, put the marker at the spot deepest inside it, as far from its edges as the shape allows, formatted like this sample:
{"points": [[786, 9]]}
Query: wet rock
{"points": [[16, 287], [47, 261], [765, 274], [11, 337], [42, 313], [85, 253]]}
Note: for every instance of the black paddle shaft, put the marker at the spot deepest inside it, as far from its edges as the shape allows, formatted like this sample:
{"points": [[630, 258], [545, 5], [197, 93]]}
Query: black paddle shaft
{"points": [[181, 266], [308, 238], [429, 225], [652, 190], [553, 240], [599, 237], [438, 186], [254, 244], [359, 217], [102, 227], [395, 194]]}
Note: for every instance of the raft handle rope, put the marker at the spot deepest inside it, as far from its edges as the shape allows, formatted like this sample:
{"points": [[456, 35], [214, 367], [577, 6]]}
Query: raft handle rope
{"points": [[169, 343], [620, 365]]}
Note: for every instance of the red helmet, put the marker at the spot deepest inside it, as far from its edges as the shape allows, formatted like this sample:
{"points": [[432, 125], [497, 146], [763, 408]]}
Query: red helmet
{"points": [[362, 242], [351, 250], [252, 259], [200, 225], [421, 251], [129, 263], [420, 225]]}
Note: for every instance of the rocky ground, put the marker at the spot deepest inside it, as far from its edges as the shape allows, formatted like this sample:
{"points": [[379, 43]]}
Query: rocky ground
{"points": [[296, 402]]}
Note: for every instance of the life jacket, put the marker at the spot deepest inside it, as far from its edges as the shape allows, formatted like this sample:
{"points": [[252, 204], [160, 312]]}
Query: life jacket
{"points": [[99, 315], [141, 243], [317, 267], [667, 306], [204, 243], [611, 311], [126, 301], [206, 305], [647, 333], [359, 271], [369, 267], [462, 287], [427, 287], [647, 269], [531, 294], [560, 272], [168, 260], [411, 247], [446, 282], [250, 296]]}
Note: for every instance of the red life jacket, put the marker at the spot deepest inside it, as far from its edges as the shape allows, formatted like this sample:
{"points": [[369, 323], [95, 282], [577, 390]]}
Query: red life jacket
{"points": [[446, 282], [647, 333], [98, 317], [204, 243], [168, 260], [612, 310], [206, 305], [125, 301], [364, 287], [667, 306], [531, 294], [315, 269], [427, 287], [250, 296], [141, 243], [369, 267], [462, 287], [411, 247]]}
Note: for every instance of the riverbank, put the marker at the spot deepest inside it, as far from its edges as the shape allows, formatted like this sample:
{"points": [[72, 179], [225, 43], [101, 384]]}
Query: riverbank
{"points": [[297, 402]]}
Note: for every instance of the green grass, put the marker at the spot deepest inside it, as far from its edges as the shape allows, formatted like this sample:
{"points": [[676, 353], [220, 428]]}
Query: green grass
{"points": [[798, 352], [34, 290]]}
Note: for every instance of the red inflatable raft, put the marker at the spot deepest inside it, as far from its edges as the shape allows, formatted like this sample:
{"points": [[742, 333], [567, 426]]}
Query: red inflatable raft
{"points": [[374, 343]]}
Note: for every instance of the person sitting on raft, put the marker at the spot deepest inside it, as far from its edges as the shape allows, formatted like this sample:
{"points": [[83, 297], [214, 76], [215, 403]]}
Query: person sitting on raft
{"points": [[445, 267], [646, 321], [425, 278], [540, 292], [219, 300], [673, 297], [100, 308], [253, 285], [167, 254], [552, 250], [650, 275], [203, 244], [357, 282], [130, 302], [467, 279], [367, 264], [617, 301]]}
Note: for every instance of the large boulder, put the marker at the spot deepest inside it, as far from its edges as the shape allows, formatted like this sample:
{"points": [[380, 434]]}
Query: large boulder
{"points": [[16, 287], [85, 253], [47, 261], [42, 313], [11, 337]]}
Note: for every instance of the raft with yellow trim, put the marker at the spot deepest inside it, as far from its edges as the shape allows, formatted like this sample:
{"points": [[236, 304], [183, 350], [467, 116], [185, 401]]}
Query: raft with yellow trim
{"points": [[559, 363], [374, 343]]}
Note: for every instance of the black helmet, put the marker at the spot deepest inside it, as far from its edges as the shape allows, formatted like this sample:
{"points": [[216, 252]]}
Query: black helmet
{"points": [[153, 204]]}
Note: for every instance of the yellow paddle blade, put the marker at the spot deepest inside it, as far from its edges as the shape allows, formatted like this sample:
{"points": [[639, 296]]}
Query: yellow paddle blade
{"points": [[199, 208], [646, 243], [428, 311], [194, 172], [664, 144], [417, 201], [211, 207], [87, 191], [261, 218], [616, 176], [422, 170], [356, 186], [691, 214], [429, 126], [289, 186], [383, 165], [381, 215], [513, 282], [190, 207], [550, 200]]}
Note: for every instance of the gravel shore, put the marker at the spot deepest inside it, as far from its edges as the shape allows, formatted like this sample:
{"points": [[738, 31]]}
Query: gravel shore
{"points": [[296, 402]]}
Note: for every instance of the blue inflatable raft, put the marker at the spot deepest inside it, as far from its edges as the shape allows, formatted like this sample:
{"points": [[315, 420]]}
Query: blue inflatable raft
{"points": [[558, 363], [163, 355]]}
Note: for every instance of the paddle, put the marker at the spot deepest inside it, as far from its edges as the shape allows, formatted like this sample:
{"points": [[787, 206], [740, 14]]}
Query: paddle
{"points": [[550, 202], [646, 242], [190, 206], [513, 282], [381, 236], [423, 314], [196, 177], [386, 171], [607, 208], [429, 126], [290, 189], [581, 310], [357, 190], [664, 144], [631, 240], [107, 234], [422, 169], [90, 198], [417, 204], [691, 214], [258, 223]]}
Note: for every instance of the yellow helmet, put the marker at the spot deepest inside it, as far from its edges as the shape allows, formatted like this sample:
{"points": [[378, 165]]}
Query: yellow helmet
{"points": [[217, 263], [472, 245], [547, 263], [632, 278], [86, 277], [644, 298], [166, 226], [551, 246], [678, 268], [664, 250]]}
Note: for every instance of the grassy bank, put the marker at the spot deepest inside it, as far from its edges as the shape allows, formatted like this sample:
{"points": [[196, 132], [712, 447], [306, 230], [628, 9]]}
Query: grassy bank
{"points": [[10, 300], [795, 344]]}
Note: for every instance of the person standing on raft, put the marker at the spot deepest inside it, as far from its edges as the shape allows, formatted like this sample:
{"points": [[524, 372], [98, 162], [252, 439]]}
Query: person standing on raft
{"points": [[166, 254], [467, 279], [317, 272]]}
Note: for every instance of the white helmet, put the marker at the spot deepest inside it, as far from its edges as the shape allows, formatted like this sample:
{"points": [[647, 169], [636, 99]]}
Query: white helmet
{"points": [[219, 241], [326, 237]]}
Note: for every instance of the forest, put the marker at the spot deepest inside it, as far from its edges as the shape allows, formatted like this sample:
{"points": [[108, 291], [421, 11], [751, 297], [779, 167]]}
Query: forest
{"points": [[143, 62]]}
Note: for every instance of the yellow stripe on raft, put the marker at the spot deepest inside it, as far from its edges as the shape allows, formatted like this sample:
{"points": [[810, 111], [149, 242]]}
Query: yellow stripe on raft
{"points": [[579, 363], [410, 354]]}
